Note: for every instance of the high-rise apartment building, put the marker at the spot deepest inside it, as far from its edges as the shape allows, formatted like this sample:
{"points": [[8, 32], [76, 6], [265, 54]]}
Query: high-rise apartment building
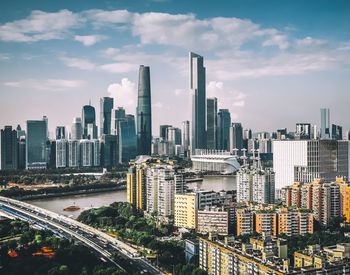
{"points": [[197, 88], [73, 153], [163, 131], [186, 206], [8, 149], [303, 131], [337, 132], [61, 153], [224, 123], [212, 122], [37, 136], [325, 123], [106, 106], [144, 112], [137, 182]]}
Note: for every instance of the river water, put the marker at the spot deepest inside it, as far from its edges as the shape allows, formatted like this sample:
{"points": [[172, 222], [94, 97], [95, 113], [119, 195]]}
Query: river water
{"points": [[216, 183]]}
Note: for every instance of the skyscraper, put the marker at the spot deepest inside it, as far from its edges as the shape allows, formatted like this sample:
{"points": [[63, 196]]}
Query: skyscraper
{"points": [[212, 122], [36, 155], [337, 132], [197, 88], [76, 129], [224, 123], [61, 153], [163, 131], [8, 149], [236, 137], [109, 150], [325, 123], [106, 106], [127, 139], [88, 116], [185, 140], [144, 112], [117, 115], [60, 132]]}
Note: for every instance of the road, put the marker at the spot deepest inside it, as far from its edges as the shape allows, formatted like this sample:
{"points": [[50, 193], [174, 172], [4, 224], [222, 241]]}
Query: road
{"points": [[105, 245]]}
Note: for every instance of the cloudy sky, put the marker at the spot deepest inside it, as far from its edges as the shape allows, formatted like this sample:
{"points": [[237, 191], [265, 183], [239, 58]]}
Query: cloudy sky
{"points": [[272, 63]]}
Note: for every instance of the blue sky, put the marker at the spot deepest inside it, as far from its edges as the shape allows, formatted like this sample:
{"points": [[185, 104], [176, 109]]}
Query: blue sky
{"points": [[272, 63]]}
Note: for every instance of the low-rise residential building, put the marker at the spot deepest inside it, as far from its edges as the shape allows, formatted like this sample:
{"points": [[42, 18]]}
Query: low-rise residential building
{"points": [[214, 219]]}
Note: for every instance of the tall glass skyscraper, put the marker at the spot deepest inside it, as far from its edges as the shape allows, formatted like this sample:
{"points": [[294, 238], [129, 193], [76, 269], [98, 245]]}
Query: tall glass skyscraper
{"points": [[144, 112], [212, 122], [224, 123], [127, 139], [325, 123], [8, 149], [236, 137], [117, 115], [36, 144], [106, 106], [197, 88], [88, 116], [76, 129]]}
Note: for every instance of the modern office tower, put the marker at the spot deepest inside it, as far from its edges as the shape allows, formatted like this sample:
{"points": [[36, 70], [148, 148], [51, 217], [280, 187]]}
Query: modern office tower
{"points": [[325, 123], [88, 116], [20, 132], [212, 122], [76, 129], [117, 115], [61, 153], [127, 139], [247, 134], [282, 134], [171, 134], [265, 146], [106, 106], [303, 131], [86, 153], [224, 123], [144, 112], [346, 135], [197, 88], [186, 206], [91, 131], [337, 132], [36, 154], [73, 153], [185, 140], [60, 132], [137, 182], [178, 136], [305, 160], [21, 152], [8, 149], [109, 150], [236, 137], [163, 131], [163, 181]]}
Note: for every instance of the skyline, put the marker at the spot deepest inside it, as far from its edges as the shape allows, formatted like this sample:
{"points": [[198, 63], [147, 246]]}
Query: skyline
{"points": [[253, 62]]}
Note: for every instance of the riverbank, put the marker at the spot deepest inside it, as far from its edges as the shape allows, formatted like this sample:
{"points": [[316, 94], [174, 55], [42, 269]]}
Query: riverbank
{"points": [[71, 193]]}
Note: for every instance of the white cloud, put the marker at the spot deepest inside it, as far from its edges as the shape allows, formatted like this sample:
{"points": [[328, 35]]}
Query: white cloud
{"points": [[124, 94], [4, 56], [89, 40], [120, 67], [40, 26], [309, 41], [47, 84], [79, 63], [102, 17], [278, 40]]}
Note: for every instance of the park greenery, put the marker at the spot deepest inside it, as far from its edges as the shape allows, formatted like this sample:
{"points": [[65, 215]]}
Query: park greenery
{"points": [[129, 224], [21, 253]]}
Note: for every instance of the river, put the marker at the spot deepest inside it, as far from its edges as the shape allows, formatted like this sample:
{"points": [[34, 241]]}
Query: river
{"points": [[216, 183]]}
